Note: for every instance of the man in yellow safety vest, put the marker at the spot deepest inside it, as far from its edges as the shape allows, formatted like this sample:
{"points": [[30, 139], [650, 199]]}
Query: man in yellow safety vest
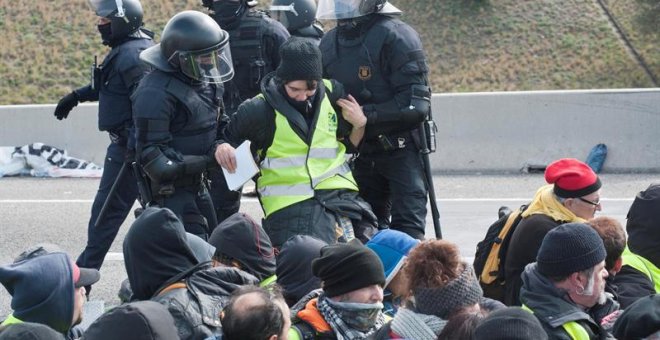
{"points": [[306, 185]]}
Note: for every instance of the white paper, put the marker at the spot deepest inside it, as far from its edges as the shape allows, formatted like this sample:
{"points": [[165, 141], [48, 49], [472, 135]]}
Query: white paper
{"points": [[246, 168]]}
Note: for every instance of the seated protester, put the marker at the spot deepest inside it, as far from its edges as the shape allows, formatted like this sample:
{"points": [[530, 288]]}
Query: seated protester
{"points": [[640, 273], [29, 331], [241, 242], [351, 302], [641, 320], [572, 195], [141, 320], [202, 251], [392, 247], [441, 285], [47, 288], [255, 313], [511, 323], [301, 127], [614, 240], [162, 267], [294, 267], [565, 288]]}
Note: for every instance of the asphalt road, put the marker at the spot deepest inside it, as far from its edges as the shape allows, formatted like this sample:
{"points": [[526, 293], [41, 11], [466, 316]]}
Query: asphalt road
{"points": [[35, 210]]}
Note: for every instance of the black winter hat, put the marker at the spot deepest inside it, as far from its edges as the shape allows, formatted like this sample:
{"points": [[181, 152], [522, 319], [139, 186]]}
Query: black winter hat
{"points": [[300, 59], [345, 267], [143, 320], [639, 320], [511, 323], [570, 248]]}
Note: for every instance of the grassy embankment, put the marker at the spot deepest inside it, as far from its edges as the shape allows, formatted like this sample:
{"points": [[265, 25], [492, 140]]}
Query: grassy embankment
{"points": [[507, 45]]}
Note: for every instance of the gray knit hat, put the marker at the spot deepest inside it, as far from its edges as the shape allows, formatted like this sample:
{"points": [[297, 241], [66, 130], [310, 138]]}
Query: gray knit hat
{"points": [[570, 248], [300, 59], [461, 292]]}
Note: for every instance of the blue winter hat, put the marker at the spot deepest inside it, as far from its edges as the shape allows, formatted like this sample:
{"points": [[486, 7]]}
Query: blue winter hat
{"points": [[392, 247]]}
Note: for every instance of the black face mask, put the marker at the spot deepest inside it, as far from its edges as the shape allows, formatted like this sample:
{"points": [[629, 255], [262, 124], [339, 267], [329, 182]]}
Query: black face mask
{"points": [[106, 33], [226, 13], [351, 28]]}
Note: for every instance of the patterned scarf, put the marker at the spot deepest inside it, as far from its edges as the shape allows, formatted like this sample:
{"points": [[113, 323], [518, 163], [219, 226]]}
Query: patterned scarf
{"points": [[341, 319], [410, 325]]}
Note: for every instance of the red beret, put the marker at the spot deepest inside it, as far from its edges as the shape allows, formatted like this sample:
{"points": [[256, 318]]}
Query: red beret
{"points": [[572, 178]]}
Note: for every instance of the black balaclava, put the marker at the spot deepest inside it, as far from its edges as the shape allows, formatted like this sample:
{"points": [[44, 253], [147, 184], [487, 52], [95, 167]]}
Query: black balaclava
{"points": [[106, 33], [228, 13], [351, 28]]}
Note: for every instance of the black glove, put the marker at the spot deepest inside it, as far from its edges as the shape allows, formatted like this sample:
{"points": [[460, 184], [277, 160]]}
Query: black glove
{"points": [[66, 104]]}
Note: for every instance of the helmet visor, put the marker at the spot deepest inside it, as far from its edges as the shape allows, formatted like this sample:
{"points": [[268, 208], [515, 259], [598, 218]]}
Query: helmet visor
{"points": [[344, 9], [281, 13], [105, 8], [208, 66]]}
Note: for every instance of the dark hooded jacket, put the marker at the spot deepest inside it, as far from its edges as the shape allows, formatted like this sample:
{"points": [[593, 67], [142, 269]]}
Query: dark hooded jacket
{"points": [[162, 267], [294, 267], [42, 290], [553, 309], [142, 320], [643, 228], [240, 238], [254, 121]]}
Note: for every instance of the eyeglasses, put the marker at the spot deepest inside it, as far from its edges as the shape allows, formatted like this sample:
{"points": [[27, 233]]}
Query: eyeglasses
{"points": [[595, 204]]}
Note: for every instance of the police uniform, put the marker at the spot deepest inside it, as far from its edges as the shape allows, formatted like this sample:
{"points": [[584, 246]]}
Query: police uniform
{"points": [[255, 40], [177, 108], [114, 81], [382, 64]]}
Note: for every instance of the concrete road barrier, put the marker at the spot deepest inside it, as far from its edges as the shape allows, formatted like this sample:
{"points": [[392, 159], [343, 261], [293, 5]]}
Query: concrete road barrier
{"points": [[486, 132]]}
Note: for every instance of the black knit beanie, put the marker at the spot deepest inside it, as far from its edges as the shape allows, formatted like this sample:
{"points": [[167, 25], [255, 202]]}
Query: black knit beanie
{"points": [[345, 267], [300, 59], [570, 248], [461, 292], [511, 323]]}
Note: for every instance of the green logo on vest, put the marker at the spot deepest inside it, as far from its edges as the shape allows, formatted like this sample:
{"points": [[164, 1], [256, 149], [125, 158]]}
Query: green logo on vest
{"points": [[332, 121]]}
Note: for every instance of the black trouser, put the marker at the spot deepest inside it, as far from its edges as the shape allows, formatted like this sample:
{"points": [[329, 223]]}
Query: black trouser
{"points": [[100, 238], [225, 201], [393, 183], [193, 206]]}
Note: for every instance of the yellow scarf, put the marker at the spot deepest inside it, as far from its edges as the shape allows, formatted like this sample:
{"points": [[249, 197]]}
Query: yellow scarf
{"points": [[545, 202]]}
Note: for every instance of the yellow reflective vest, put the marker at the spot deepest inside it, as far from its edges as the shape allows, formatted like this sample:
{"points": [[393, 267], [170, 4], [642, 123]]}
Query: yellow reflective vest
{"points": [[574, 329], [291, 169], [643, 265]]}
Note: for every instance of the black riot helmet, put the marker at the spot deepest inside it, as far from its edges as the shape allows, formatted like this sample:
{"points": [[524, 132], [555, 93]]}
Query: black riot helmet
{"points": [[350, 9], [195, 45], [228, 13], [125, 15], [294, 14]]}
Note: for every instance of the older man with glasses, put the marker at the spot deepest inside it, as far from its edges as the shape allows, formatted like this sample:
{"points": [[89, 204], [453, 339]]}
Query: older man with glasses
{"points": [[571, 195]]}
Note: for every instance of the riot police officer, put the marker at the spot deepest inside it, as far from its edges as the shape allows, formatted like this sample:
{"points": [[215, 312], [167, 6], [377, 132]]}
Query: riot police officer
{"points": [[255, 40], [177, 108], [299, 18], [120, 26], [380, 61]]}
